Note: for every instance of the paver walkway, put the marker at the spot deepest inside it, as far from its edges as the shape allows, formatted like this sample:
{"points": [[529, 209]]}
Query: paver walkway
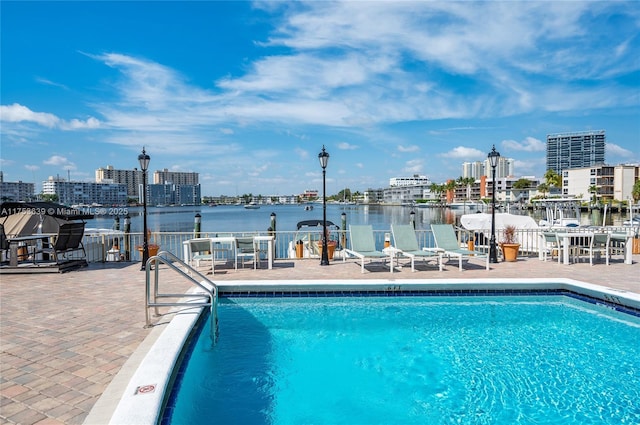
{"points": [[63, 337]]}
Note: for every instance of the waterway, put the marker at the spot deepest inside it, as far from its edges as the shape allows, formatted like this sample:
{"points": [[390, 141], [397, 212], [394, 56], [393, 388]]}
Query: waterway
{"points": [[231, 218]]}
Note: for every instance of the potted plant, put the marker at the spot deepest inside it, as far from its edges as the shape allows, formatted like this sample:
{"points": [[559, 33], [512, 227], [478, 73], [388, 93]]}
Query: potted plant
{"points": [[509, 244], [151, 245], [331, 245]]}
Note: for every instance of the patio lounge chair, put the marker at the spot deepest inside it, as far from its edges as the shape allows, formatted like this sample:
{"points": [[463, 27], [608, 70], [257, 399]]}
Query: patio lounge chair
{"points": [[363, 246], [447, 242], [68, 244], [405, 241]]}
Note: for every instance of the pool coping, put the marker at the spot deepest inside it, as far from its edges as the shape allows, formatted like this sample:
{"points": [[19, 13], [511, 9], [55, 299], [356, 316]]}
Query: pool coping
{"points": [[137, 393]]}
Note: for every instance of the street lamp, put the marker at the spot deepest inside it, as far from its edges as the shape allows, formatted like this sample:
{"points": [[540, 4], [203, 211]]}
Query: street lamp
{"points": [[324, 160], [493, 161], [144, 159]]}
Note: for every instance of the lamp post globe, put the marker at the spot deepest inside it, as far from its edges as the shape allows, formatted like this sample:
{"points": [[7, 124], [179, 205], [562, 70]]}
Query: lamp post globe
{"points": [[493, 161], [144, 159], [323, 156]]}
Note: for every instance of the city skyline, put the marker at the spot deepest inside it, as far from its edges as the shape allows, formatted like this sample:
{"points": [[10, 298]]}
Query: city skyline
{"points": [[246, 93]]}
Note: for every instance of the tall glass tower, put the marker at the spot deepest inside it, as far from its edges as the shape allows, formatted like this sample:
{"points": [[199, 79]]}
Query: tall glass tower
{"points": [[575, 150]]}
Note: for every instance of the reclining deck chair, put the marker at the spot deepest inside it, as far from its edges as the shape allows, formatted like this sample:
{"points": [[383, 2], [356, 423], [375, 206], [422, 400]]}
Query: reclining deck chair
{"points": [[406, 242], [447, 242], [363, 246], [68, 241]]}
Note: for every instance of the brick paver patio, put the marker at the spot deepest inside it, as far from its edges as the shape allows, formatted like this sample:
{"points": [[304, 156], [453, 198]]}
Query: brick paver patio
{"points": [[64, 337]]}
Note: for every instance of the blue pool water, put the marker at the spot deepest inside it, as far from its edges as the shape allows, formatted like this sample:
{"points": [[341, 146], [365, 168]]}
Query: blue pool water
{"points": [[413, 360]]}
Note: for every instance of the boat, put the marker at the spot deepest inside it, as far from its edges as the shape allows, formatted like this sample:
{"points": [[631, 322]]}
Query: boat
{"points": [[560, 212], [252, 206], [307, 237], [480, 224]]}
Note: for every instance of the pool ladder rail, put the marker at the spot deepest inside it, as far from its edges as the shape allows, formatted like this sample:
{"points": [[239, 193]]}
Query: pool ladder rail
{"points": [[207, 299]]}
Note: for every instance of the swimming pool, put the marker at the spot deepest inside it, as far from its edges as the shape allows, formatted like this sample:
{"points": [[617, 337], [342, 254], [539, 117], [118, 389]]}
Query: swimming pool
{"points": [[541, 358]]}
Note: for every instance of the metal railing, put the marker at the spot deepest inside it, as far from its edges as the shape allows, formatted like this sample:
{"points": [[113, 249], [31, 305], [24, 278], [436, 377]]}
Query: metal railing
{"points": [[102, 248], [210, 296]]}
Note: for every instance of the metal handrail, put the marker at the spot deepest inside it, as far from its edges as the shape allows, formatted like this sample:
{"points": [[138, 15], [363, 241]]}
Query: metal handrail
{"points": [[167, 258]]}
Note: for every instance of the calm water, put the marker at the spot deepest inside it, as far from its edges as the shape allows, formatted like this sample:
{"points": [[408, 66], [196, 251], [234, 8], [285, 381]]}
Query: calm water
{"points": [[421, 360], [239, 219]]}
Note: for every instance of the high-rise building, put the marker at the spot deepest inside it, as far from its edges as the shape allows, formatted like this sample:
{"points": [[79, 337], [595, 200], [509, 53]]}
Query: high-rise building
{"points": [[85, 193], [575, 150], [473, 169], [504, 168], [130, 178], [176, 177], [16, 191]]}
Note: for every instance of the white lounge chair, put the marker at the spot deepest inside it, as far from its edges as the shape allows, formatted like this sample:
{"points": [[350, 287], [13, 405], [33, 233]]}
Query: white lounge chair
{"points": [[363, 246], [446, 240], [406, 242]]}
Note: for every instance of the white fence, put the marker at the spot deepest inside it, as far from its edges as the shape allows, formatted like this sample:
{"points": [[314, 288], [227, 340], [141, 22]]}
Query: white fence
{"points": [[127, 247]]}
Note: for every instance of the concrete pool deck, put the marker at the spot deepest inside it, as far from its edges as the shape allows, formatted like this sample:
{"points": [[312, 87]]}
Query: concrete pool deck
{"points": [[65, 337]]}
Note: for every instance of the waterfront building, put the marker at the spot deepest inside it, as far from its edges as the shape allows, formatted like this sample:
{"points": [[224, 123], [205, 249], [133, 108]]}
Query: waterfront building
{"points": [[415, 180], [16, 191], [575, 150], [309, 195], [505, 192], [505, 168], [85, 193], [130, 178], [407, 190], [171, 194], [474, 169], [609, 182], [176, 177], [373, 196]]}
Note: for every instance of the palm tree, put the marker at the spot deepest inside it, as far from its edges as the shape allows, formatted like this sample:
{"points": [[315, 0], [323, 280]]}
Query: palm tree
{"points": [[593, 190], [544, 188], [635, 191], [553, 179]]}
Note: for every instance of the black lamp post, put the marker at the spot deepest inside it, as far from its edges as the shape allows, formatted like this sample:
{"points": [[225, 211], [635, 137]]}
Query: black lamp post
{"points": [[324, 160], [493, 161], [144, 159]]}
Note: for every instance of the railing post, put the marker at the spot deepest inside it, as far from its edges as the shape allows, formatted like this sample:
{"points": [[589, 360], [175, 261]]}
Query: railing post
{"points": [[127, 238]]}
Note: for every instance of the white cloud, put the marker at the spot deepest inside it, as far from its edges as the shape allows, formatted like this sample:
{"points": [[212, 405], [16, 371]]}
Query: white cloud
{"points": [[529, 144], [346, 146], [413, 166], [19, 113], [410, 148], [32, 167], [464, 153], [617, 151], [60, 161]]}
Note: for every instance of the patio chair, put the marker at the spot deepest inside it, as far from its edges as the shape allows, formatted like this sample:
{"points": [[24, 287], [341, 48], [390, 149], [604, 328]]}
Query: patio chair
{"points": [[549, 245], [68, 241], [4, 243], [447, 242], [363, 246], [406, 242], [200, 250], [599, 244], [246, 248]]}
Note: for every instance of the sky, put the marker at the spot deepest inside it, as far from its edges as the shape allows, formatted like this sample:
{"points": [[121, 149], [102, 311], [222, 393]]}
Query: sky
{"points": [[247, 93]]}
